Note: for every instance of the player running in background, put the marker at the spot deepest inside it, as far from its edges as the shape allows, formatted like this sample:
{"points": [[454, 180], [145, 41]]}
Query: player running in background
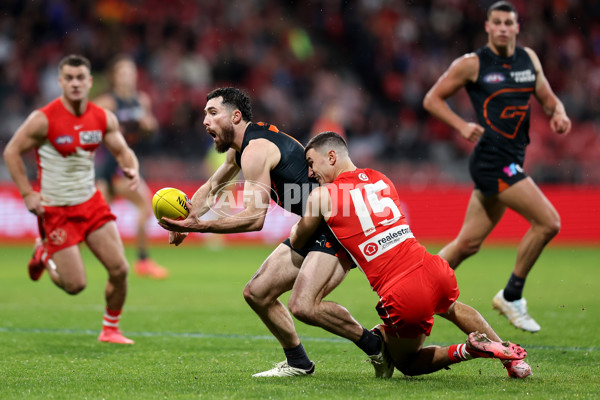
{"points": [[133, 109], [362, 208], [500, 79], [65, 134], [273, 164]]}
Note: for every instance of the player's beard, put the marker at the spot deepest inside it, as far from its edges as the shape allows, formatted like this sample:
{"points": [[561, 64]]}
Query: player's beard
{"points": [[226, 140]]}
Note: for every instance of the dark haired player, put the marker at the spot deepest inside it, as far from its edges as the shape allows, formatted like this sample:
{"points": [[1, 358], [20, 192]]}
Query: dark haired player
{"points": [[362, 208], [268, 158], [500, 79]]}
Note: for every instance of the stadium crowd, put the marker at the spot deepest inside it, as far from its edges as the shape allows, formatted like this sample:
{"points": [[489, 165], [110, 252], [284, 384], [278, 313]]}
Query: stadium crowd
{"points": [[360, 68]]}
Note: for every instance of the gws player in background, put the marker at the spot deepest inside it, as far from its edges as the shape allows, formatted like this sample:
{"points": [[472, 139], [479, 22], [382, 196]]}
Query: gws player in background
{"points": [[133, 109], [269, 158], [500, 79], [362, 208], [65, 134]]}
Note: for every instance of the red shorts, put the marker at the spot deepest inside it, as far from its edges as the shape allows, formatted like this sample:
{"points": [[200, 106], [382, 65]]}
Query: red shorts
{"points": [[66, 226], [408, 306]]}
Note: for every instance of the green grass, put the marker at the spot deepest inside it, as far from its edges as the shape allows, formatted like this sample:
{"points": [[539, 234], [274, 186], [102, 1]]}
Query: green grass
{"points": [[196, 337]]}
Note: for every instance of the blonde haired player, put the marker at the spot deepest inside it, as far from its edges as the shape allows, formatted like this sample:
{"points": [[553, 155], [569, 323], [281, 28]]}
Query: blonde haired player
{"points": [[65, 134]]}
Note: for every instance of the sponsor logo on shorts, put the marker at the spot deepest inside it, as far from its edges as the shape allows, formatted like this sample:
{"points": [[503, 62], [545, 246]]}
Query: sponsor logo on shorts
{"points": [[58, 236], [381, 243], [512, 169], [494, 77], [90, 137]]}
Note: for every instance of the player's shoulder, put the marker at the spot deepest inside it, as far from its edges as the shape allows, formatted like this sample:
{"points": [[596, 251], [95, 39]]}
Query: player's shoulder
{"points": [[467, 61], [259, 151]]}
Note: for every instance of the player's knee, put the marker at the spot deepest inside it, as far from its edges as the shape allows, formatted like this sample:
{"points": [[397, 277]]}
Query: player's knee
{"points": [[119, 272], [301, 310], [252, 297], [74, 288], [468, 248], [552, 228]]}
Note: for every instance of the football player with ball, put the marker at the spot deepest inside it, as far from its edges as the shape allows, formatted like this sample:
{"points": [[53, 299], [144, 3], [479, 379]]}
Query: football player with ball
{"points": [[268, 158]]}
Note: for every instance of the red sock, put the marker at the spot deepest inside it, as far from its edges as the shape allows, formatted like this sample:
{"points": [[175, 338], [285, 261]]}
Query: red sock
{"points": [[111, 319], [458, 353]]}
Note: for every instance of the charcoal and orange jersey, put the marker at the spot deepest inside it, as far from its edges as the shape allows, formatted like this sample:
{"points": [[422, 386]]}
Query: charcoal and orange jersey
{"points": [[368, 221], [66, 158], [501, 98], [289, 179]]}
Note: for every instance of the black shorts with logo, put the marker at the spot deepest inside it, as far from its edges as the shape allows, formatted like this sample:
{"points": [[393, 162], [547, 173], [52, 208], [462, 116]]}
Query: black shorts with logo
{"points": [[493, 174], [322, 241]]}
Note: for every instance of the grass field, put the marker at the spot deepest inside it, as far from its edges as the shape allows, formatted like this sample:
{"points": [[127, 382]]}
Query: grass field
{"points": [[196, 337]]}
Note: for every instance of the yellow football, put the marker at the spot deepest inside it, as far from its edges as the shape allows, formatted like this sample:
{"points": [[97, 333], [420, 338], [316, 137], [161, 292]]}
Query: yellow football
{"points": [[170, 203]]}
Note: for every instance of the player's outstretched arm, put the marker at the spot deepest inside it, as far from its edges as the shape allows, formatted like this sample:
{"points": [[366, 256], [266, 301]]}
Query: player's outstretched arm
{"points": [[29, 135], [258, 159], [116, 144], [553, 107], [318, 205], [462, 71]]}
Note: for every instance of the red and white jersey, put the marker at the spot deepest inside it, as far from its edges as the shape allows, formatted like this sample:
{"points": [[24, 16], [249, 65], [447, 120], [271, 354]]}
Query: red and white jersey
{"points": [[66, 159], [368, 221]]}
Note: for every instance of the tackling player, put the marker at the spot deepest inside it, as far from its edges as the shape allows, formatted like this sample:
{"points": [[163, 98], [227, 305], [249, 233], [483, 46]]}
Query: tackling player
{"points": [[363, 210]]}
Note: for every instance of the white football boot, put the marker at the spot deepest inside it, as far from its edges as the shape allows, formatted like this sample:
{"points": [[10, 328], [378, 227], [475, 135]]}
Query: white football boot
{"points": [[516, 312], [283, 369]]}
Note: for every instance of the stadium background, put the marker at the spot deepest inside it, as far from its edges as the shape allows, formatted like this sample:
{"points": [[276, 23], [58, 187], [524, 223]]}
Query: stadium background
{"points": [[357, 67]]}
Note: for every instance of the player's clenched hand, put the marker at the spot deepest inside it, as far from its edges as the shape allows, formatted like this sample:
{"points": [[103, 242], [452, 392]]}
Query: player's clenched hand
{"points": [[560, 123], [472, 131], [33, 202], [133, 176], [177, 237]]}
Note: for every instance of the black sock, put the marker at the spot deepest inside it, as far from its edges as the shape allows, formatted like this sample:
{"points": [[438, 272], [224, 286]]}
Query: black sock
{"points": [[369, 342], [514, 288], [297, 357], [142, 254]]}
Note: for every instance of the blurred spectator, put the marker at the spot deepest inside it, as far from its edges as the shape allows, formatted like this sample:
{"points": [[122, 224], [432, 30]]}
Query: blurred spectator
{"points": [[300, 60]]}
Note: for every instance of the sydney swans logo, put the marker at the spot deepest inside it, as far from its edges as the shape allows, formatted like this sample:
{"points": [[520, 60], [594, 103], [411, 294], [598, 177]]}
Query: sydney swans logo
{"points": [[230, 198]]}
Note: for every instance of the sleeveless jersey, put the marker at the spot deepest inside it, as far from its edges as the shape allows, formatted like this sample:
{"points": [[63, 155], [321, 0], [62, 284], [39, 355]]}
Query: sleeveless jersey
{"points": [[66, 158], [289, 179], [368, 221], [501, 98], [129, 112]]}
